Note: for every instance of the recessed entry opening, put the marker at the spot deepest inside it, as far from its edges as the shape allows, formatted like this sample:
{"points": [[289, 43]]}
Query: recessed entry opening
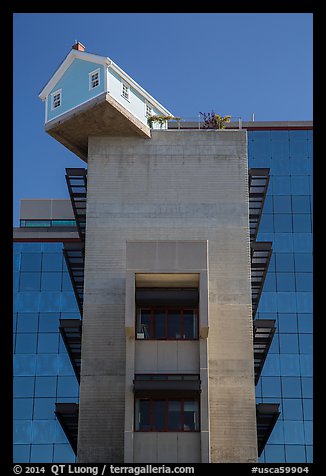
{"points": [[167, 306]]}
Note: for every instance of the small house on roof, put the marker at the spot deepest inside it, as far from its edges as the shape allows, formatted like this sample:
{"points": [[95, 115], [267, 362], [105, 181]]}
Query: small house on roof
{"points": [[90, 95]]}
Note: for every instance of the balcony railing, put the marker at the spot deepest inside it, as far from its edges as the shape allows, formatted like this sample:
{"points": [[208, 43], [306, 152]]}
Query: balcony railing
{"points": [[198, 123]]}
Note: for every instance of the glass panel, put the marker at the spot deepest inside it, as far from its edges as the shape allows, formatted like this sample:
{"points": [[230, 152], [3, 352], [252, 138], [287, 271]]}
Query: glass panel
{"points": [[286, 302], [305, 301], [301, 223], [43, 431], [275, 453], [26, 343], [67, 387], [28, 301], [293, 432], [48, 343], [50, 301], [285, 282], [47, 364], [68, 302], [288, 323], [23, 408], [31, 261], [159, 415], [304, 281], [66, 282], [289, 343], [270, 282], [44, 408], [21, 453], [174, 325], [266, 223], [174, 415], [305, 322], [63, 453], [52, 262], [299, 166], [307, 387], [283, 242], [191, 416], [271, 386], [295, 454], [284, 262], [24, 386], [159, 325], [282, 204], [41, 454], [27, 322], [49, 322], [299, 185], [302, 242], [22, 431], [308, 408], [292, 409], [283, 223], [291, 387], [290, 365], [281, 185], [190, 324], [45, 386], [24, 364], [51, 281], [306, 365], [301, 204], [64, 365], [29, 282]]}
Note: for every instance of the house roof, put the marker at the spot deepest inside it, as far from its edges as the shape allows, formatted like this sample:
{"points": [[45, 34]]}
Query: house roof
{"points": [[75, 54]]}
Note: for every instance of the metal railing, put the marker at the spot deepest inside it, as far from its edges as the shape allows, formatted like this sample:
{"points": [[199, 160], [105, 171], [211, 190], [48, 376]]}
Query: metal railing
{"points": [[198, 123]]}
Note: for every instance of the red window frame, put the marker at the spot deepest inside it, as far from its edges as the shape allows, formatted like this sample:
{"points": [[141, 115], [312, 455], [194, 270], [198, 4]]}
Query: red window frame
{"points": [[167, 310], [166, 429]]}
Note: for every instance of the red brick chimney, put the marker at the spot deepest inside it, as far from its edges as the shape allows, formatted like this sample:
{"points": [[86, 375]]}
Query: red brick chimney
{"points": [[78, 46]]}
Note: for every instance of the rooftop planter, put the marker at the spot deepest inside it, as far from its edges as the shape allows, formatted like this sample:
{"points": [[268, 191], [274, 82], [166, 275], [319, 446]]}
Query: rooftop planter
{"points": [[214, 121], [161, 120]]}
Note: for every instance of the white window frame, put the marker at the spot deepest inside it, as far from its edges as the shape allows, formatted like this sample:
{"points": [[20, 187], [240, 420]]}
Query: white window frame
{"points": [[55, 93], [125, 85], [148, 106], [90, 85]]}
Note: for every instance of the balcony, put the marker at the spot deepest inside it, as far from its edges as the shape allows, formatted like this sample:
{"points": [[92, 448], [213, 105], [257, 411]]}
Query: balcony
{"points": [[67, 415], [264, 330], [74, 254], [258, 184], [267, 415], [71, 333], [261, 253], [77, 187]]}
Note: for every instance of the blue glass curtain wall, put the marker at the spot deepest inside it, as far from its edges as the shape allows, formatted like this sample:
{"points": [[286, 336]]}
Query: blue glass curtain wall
{"points": [[42, 370], [287, 295]]}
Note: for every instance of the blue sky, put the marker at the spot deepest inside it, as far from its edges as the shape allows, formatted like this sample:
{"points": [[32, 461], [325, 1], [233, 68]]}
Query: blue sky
{"points": [[234, 63]]}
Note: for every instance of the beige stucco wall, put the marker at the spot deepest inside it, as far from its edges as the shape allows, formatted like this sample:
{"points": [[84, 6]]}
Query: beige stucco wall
{"points": [[179, 185]]}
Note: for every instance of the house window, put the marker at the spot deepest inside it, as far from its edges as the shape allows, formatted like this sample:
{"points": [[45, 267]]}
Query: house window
{"points": [[94, 79], [166, 414], [56, 99], [125, 91], [167, 323], [148, 110]]}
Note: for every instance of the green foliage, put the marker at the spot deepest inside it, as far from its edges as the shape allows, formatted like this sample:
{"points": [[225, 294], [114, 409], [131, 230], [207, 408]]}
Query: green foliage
{"points": [[161, 120]]}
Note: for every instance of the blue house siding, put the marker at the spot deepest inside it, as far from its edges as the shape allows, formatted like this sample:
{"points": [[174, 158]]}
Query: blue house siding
{"points": [[74, 86], [136, 103]]}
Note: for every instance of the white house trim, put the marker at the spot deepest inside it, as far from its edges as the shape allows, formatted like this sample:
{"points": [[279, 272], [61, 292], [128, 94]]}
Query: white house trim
{"points": [[100, 60], [125, 77], [65, 65]]}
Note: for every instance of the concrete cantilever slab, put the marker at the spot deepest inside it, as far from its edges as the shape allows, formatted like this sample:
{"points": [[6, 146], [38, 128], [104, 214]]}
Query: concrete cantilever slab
{"points": [[101, 116]]}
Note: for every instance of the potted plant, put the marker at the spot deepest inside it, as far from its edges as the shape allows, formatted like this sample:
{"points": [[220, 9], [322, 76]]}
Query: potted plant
{"points": [[161, 120], [214, 121]]}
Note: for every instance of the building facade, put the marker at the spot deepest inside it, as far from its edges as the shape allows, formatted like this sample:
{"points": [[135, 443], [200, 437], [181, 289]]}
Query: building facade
{"points": [[170, 331]]}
